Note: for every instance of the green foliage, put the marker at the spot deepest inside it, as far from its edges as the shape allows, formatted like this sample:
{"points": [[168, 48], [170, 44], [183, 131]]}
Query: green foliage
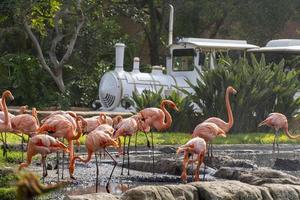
{"points": [[146, 99], [9, 193], [21, 74], [262, 89], [184, 120]]}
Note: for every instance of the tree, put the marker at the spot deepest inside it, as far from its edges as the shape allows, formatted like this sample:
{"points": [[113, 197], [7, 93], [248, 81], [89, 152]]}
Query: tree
{"points": [[53, 14], [151, 15]]}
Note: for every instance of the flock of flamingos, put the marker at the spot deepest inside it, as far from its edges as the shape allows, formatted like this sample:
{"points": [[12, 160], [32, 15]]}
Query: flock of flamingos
{"points": [[103, 131]]}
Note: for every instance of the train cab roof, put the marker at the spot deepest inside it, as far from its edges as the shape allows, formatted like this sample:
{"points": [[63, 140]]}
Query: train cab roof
{"points": [[280, 45], [218, 44]]}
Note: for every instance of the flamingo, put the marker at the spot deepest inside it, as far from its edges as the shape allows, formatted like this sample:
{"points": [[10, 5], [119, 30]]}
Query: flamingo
{"points": [[71, 117], [25, 123], [160, 119], [195, 146], [225, 126], [5, 123], [97, 140], [94, 122], [59, 126], [129, 127], [44, 145], [105, 119], [208, 131], [278, 121]]}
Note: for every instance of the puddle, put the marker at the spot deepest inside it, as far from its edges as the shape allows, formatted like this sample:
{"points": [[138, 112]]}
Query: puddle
{"points": [[115, 188]]}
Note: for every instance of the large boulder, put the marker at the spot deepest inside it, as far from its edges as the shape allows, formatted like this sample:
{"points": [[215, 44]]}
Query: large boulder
{"points": [[215, 190], [227, 161], [257, 177], [287, 164]]}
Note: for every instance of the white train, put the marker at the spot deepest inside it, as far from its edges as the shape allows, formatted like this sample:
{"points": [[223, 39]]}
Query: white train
{"points": [[185, 56]]}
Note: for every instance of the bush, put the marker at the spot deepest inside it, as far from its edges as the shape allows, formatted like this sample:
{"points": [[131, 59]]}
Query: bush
{"points": [[9, 193], [29, 84], [183, 121], [262, 89]]}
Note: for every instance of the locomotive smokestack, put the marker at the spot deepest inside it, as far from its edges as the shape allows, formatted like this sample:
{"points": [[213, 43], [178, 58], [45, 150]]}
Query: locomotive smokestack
{"points": [[171, 25], [136, 64], [120, 48]]}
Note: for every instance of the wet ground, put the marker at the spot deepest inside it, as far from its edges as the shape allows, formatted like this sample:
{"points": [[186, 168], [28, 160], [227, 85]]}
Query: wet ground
{"points": [[85, 174]]}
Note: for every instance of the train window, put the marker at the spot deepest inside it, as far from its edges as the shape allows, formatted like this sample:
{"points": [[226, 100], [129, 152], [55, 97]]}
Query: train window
{"points": [[183, 59]]}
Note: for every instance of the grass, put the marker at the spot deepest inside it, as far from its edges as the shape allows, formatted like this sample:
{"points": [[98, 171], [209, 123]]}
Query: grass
{"points": [[171, 138]]}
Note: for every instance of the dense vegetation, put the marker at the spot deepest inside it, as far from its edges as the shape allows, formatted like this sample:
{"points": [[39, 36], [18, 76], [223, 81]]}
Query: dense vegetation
{"points": [[60, 79]]}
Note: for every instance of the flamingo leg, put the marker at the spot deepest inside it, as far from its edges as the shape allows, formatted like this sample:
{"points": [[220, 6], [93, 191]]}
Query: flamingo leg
{"points": [[97, 172], [277, 141], [57, 165], [128, 163], [204, 170], [123, 155], [192, 162], [152, 153], [5, 146], [22, 146], [112, 171], [197, 172], [148, 142], [184, 167], [44, 168], [135, 144], [63, 164], [211, 149], [274, 143]]}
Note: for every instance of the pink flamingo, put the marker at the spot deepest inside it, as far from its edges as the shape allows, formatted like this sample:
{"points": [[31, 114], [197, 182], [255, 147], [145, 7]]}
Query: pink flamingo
{"points": [[25, 123], [98, 139], [208, 131], [44, 145], [195, 146], [94, 122], [5, 123], [225, 126], [60, 127], [129, 127], [160, 119], [278, 121]]}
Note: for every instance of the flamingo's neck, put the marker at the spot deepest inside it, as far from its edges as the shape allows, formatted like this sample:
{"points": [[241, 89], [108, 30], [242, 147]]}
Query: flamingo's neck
{"points": [[167, 121], [229, 111], [5, 111]]}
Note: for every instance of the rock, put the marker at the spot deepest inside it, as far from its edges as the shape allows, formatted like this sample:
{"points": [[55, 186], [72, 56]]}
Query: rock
{"points": [[233, 190], [166, 166], [215, 190], [287, 164], [257, 177], [168, 149], [227, 161], [93, 196], [168, 192]]}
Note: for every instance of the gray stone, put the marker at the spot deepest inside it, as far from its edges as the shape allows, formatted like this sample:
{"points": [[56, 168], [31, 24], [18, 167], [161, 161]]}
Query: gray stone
{"points": [[231, 190], [93, 196], [216, 190], [287, 164], [257, 177], [227, 161], [168, 149]]}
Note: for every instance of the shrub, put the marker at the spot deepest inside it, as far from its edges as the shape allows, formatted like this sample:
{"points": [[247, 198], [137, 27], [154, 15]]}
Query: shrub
{"points": [[262, 89]]}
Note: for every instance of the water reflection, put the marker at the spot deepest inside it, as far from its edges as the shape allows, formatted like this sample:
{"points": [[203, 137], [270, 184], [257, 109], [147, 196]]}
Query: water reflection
{"points": [[114, 188]]}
